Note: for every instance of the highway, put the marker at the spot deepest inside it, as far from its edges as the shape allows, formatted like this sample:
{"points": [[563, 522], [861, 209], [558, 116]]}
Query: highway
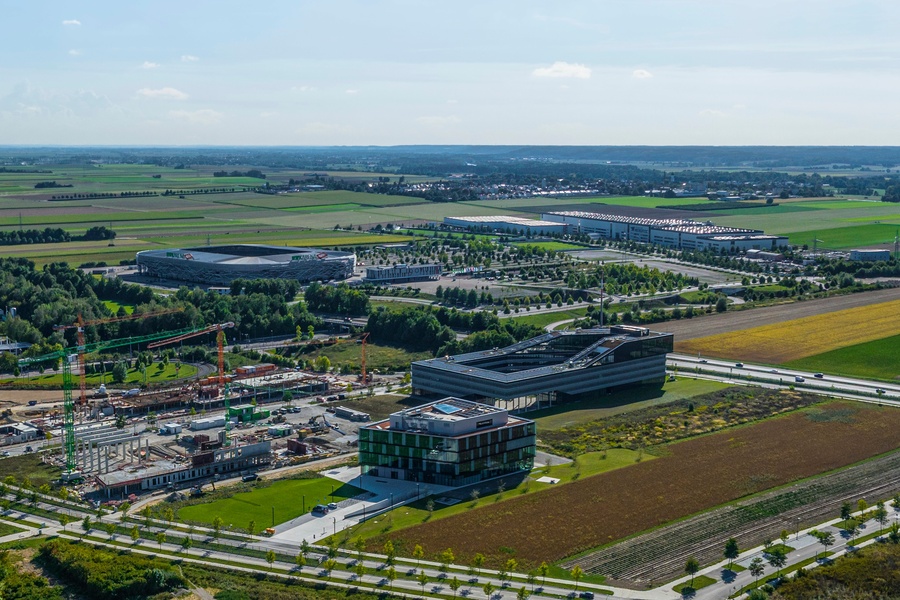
{"points": [[779, 377]]}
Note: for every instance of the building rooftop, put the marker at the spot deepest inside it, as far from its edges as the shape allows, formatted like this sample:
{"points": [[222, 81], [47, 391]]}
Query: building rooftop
{"points": [[525, 222]]}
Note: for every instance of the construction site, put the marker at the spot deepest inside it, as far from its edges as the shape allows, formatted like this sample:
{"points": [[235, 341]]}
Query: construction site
{"points": [[129, 442]]}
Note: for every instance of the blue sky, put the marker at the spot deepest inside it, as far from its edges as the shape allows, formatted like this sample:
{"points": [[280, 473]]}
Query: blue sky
{"points": [[339, 72]]}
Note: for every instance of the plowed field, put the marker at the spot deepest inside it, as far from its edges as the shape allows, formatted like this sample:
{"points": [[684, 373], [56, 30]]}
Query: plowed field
{"points": [[694, 475]]}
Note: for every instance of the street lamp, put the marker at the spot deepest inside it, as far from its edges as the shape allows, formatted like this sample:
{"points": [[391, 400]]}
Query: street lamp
{"points": [[333, 525]]}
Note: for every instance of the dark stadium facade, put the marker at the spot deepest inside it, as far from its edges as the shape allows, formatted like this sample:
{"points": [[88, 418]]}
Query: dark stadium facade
{"points": [[220, 265]]}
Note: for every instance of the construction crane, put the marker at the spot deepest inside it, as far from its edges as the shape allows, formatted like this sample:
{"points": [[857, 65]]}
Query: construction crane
{"points": [[67, 355], [362, 362], [79, 326], [220, 344]]}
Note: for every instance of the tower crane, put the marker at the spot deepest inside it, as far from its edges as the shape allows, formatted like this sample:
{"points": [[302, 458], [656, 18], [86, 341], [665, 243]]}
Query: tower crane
{"points": [[66, 354], [79, 326], [220, 345], [362, 362]]}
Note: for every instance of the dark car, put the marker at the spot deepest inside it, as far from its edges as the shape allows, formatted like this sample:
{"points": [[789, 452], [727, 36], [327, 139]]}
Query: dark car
{"points": [[320, 509], [250, 477], [586, 595]]}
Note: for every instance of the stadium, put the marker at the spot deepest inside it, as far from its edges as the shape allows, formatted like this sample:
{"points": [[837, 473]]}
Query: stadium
{"points": [[558, 366], [220, 265]]}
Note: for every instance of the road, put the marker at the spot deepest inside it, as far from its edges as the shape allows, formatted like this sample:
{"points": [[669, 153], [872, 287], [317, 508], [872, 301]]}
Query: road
{"points": [[766, 375]]}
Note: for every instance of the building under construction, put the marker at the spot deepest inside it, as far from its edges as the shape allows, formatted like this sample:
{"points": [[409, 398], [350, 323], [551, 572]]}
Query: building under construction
{"points": [[166, 473]]}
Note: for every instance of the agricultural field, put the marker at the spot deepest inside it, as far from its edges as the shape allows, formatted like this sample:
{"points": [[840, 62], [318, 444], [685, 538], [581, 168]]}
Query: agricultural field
{"points": [[793, 340], [257, 504], [691, 476], [878, 359], [378, 357]]}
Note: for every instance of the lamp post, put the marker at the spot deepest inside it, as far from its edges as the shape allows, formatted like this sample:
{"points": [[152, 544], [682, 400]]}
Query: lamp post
{"points": [[333, 525]]}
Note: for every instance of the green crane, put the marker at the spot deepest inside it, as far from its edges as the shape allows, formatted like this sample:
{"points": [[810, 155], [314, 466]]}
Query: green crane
{"points": [[67, 355]]}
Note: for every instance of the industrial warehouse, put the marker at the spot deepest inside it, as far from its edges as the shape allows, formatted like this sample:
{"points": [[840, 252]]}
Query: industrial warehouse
{"points": [[554, 367], [450, 442], [506, 224], [220, 265], [685, 234]]}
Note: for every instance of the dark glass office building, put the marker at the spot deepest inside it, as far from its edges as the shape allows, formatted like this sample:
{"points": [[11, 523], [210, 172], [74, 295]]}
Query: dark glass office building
{"points": [[450, 442]]}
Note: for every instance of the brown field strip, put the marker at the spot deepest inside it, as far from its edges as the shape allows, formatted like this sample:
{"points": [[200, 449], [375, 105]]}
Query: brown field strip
{"points": [[791, 340], [693, 476]]}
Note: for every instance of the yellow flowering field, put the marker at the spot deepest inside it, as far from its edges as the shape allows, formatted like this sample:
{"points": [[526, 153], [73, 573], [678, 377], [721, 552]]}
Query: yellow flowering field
{"points": [[791, 340]]}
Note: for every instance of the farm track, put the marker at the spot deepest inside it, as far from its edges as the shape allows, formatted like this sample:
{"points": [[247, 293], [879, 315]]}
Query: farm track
{"points": [[726, 322], [660, 555]]}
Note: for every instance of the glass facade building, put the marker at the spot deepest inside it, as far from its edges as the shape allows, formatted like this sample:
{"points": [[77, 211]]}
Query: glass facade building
{"points": [[450, 442]]}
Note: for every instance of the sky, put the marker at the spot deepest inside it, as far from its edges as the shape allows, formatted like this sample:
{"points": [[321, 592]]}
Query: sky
{"points": [[389, 72]]}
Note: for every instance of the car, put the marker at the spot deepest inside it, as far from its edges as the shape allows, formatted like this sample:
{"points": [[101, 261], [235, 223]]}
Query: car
{"points": [[739, 365], [879, 391], [250, 477], [773, 370], [703, 361], [819, 375], [320, 509], [332, 506], [29, 449], [586, 595], [4, 453], [799, 379]]}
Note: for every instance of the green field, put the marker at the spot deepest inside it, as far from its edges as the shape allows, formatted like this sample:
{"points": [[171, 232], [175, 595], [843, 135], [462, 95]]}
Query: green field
{"points": [[167, 374], [378, 357], [546, 318], [878, 359], [115, 306], [847, 237], [576, 413], [286, 497]]}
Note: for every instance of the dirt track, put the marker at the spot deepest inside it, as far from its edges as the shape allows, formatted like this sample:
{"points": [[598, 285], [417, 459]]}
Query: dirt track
{"points": [[687, 329]]}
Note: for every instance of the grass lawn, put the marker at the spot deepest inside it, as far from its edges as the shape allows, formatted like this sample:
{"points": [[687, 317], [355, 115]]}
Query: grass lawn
{"points": [[114, 307], [167, 374], [586, 411], [700, 582], [378, 356], [878, 359], [846, 237], [286, 496], [550, 246], [379, 407], [6, 529], [546, 318], [30, 466]]}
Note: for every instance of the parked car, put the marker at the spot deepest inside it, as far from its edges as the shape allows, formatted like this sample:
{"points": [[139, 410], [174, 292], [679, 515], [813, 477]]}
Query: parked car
{"points": [[799, 379], [739, 365], [250, 477], [332, 506], [819, 375], [320, 509]]}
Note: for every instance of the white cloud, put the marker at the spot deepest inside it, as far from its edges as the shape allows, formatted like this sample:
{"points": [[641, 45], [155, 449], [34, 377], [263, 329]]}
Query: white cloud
{"points": [[166, 93], [563, 69], [204, 116], [149, 65], [189, 58], [351, 92], [74, 52], [641, 74], [72, 22], [438, 121]]}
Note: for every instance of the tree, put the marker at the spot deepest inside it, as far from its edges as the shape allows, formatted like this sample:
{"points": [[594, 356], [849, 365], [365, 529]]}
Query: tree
{"points": [[846, 511], [270, 558], [186, 543], [418, 553], [731, 551], [422, 578], [161, 538], [543, 570], [110, 529], [64, 520], [862, 505], [785, 534], [119, 373], [329, 566], [757, 568], [304, 547], [478, 562], [454, 585], [691, 567], [881, 516], [777, 558], [577, 573], [826, 538], [488, 590], [391, 575], [135, 534], [251, 527], [300, 560], [217, 524], [522, 594], [721, 304], [894, 533], [446, 557], [86, 525], [511, 565], [389, 552], [359, 569]]}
